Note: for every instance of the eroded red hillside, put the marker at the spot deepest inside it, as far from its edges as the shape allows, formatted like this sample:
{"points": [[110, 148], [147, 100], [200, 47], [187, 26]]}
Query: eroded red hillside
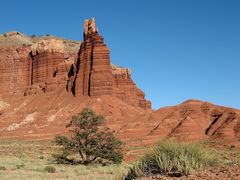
{"points": [[44, 83]]}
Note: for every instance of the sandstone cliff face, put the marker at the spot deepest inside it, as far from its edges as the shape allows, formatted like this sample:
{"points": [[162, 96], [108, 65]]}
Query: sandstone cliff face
{"points": [[14, 69], [125, 89], [27, 70], [45, 57], [41, 65]]}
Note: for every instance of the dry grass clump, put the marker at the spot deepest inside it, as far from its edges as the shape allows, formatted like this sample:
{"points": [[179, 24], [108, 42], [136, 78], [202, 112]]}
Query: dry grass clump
{"points": [[174, 159]]}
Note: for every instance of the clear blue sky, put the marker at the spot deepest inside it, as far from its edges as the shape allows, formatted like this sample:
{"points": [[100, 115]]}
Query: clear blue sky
{"points": [[177, 49]]}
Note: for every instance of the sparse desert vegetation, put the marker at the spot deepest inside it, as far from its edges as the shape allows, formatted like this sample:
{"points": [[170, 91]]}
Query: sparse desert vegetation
{"points": [[18, 39], [33, 160]]}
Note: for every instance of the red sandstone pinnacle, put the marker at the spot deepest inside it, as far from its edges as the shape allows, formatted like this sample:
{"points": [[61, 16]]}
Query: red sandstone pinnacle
{"points": [[95, 75], [89, 26]]}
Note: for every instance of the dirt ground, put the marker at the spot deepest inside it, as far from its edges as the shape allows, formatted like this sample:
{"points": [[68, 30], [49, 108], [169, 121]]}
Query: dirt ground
{"points": [[231, 172]]}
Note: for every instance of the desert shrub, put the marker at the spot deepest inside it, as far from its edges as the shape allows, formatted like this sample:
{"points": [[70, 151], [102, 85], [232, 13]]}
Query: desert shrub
{"points": [[41, 157], [34, 35], [19, 166], [175, 159], [50, 169], [91, 142], [2, 168]]}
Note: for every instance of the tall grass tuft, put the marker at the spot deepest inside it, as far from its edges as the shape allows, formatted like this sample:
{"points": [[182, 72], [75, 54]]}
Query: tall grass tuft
{"points": [[174, 159]]}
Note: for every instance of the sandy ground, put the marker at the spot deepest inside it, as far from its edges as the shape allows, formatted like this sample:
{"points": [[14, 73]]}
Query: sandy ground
{"points": [[221, 173]]}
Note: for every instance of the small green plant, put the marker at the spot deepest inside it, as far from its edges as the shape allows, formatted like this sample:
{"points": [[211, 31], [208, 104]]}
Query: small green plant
{"points": [[92, 143], [50, 169], [2, 168], [19, 166], [214, 141], [175, 159], [41, 157], [20, 155], [33, 36]]}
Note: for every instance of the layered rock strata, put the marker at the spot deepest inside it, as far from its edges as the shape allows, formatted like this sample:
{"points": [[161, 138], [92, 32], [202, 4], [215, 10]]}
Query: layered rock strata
{"points": [[95, 75], [41, 65]]}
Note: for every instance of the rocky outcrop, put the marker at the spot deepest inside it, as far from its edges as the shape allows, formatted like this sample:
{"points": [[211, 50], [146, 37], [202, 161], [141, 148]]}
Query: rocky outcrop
{"points": [[95, 75], [24, 68], [14, 69], [125, 89], [45, 57], [195, 120], [32, 65]]}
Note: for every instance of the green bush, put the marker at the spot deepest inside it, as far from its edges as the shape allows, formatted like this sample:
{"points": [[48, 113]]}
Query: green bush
{"points": [[175, 159], [19, 166], [89, 141], [41, 157], [2, 168], [50, 169]]}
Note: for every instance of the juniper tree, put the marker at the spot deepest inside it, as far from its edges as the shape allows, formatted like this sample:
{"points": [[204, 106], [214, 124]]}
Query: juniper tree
{"points": [[90, 140]]}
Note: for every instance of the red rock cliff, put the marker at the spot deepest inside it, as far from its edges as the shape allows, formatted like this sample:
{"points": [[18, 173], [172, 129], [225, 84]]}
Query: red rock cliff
{"points": [[95, 75], [47, 64], [14, 69]]}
